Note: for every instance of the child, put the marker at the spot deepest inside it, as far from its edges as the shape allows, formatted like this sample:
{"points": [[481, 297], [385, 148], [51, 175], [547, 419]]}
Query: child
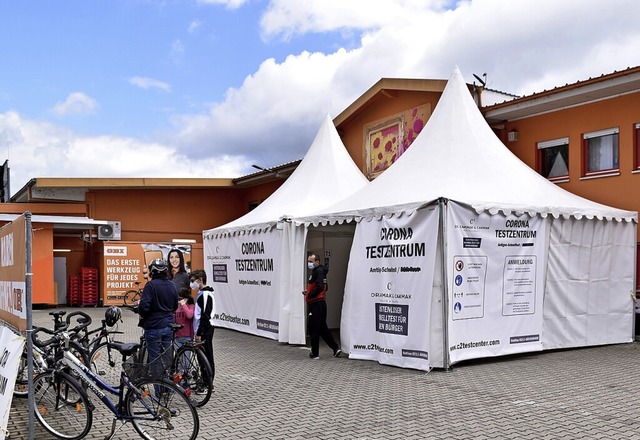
{"points": [[184, 315], [205, 309]]}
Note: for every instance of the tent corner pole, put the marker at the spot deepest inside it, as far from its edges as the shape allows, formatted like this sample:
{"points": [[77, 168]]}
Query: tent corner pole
{"points": [[442, 204]]}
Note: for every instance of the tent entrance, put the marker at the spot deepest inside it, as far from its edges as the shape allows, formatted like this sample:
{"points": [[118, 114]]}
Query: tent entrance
{"points": [[333, 245]]}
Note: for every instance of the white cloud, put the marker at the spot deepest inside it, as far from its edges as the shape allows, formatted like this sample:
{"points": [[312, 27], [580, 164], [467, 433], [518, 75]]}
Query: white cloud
{"points": [[289, 17], [194, 26], [177, 51], [523, 46], [272, 114], [229, 4], [37, 149], [77, 103], [149, 83]]}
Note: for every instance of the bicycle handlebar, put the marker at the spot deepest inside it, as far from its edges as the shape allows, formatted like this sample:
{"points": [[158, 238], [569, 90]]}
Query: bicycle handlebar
{"points": [[41, 344], [84, 318]]}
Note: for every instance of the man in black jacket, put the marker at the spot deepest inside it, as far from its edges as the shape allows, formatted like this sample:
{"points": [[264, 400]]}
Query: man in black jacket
{"points": [[157, 305], [317, 308]]}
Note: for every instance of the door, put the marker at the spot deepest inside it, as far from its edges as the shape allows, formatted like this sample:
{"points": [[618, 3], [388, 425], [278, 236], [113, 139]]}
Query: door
{"points": [[60, 278]]}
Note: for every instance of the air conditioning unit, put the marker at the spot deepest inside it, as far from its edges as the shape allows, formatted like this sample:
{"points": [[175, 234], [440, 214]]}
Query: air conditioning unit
{"points": [[110, 231]]}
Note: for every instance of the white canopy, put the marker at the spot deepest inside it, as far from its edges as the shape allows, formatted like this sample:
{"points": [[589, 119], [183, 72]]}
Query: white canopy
{"points": [[326, 174], [458, 157]]}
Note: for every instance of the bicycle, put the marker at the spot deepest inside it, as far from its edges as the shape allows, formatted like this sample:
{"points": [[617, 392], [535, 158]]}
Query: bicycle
{"points": [[91, 339], [188, 360], [156, 406], [44, 358], [132, 297]]}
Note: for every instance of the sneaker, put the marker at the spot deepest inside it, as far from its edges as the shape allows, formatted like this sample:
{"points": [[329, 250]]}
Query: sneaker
{"points": [[201, 390], [313, 356], [337, 352]]}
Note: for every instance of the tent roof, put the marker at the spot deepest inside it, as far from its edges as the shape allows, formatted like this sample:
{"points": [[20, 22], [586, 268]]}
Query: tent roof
{"points": [[458, 157], [326, 174]]}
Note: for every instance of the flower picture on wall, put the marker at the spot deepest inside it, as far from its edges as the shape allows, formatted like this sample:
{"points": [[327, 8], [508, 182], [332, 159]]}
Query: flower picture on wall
{"points": [[388, 139]]}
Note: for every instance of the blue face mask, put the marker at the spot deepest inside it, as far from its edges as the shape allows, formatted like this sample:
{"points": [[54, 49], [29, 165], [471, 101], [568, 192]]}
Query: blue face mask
{"points": [[310, 265]]}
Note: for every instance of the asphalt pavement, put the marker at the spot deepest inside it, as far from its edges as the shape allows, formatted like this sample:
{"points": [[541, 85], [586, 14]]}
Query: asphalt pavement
{"points": [[268, 390]]}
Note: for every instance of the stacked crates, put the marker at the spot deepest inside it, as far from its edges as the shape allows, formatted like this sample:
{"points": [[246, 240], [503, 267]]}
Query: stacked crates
{"points": [[74, 291], [89, 283]]}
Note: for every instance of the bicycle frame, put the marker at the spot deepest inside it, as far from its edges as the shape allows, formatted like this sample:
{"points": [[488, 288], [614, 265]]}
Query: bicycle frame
{"points": [[97, 385]]}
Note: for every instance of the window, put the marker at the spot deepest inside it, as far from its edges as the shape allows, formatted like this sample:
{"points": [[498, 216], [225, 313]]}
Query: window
{"points": [[637, 144], [553, 159], [601, 152]]}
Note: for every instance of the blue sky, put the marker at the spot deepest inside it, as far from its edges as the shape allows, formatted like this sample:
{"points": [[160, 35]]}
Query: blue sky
{"points": [[179, 88]]}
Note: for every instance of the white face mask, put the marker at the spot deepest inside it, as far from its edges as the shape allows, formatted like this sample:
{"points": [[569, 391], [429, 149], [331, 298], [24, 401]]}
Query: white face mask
{"points": [[310, 265], [194, 285]]}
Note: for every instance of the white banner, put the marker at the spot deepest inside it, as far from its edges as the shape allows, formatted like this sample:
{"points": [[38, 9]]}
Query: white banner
{"points": [[496, 283], [388, 290], [11, 348], [244, 271]]}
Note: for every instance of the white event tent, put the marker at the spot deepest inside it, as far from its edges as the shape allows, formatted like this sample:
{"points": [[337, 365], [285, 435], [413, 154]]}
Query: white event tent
{"points": [[248, 260], [462, 251]]}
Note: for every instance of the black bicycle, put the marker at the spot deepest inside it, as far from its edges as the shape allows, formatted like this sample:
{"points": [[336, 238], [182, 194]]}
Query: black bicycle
{"points": [[43, 358], [187, 361], [156, 407]]}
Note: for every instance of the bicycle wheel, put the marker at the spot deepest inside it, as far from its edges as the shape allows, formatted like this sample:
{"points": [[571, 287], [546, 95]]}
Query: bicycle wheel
{"points": [[21, 387], [61, 405], [130, 297], [196, 373], [106, 363], [161, 410]]}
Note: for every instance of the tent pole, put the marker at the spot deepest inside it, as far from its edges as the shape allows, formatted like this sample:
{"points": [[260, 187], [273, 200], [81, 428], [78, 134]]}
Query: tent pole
{"points": [[442, 205]]}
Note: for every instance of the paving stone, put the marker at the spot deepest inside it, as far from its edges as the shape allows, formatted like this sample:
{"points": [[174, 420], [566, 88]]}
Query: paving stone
{"points": [[268, 390]]}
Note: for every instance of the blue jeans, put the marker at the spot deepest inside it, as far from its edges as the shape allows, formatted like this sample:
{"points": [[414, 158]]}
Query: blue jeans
{"points": [[158, 342]]}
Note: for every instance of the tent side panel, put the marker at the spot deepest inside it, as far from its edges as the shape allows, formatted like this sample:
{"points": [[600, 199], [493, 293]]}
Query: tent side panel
{"points": [[590, 278], [244, 271], [496, 277], [386, 308], [292, 311]]}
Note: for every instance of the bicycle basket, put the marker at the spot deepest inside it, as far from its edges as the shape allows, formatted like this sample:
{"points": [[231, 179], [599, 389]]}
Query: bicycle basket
{"points": [[138, 372]]}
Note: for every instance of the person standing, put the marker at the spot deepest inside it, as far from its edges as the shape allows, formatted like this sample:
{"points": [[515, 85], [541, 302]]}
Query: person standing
{"points": [[157, 305], [177, 269], [203, 315], [317, 308], [184, 316]]}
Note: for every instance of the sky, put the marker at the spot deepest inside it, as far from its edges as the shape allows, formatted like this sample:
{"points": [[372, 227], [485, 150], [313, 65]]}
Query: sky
{"points": [[208, 88]]}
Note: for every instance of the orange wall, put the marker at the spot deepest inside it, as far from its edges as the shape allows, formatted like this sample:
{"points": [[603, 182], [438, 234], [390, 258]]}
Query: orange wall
{"points": [[259, 193], [352, 131], [42, 286], [621, 191], [146, 215], [158, 215]]}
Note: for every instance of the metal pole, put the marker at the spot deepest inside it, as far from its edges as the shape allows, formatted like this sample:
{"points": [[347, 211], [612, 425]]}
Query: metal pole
{"points": [[28, 274], [442, 205]]}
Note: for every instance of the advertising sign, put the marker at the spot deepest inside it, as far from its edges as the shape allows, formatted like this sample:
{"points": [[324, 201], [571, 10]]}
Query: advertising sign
{"points": [[244, 272], [125, 264], [13, 266], [496, 283], [389, 285], [11, 346]]}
